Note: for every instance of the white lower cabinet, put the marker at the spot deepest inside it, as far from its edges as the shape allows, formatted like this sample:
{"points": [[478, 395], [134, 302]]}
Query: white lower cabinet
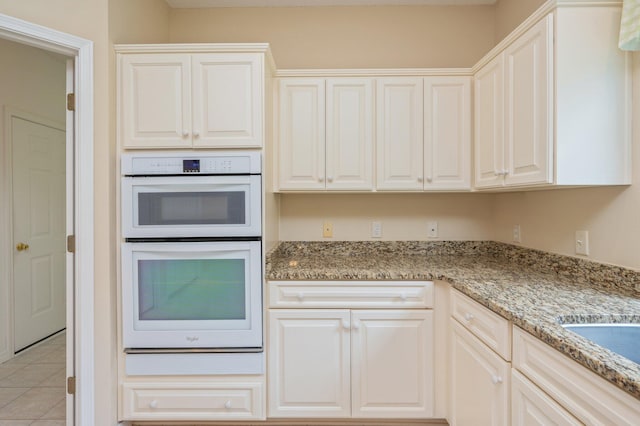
{"points": [[480, 367], [479, 382], [586, 396], [193, 401], [340, 363], [530, 406]]}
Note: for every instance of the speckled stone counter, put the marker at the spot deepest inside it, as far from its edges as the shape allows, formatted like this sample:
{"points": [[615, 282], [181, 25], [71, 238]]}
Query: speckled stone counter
{"points": [[535, 290]]}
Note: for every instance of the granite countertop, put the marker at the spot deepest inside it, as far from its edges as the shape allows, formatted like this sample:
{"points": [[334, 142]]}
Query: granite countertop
{"points": [[535, 290]]}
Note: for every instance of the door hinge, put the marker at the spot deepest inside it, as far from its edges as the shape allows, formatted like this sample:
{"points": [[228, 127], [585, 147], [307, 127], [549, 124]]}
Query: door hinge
{"points": [[71, 385], [71, 101], [71, 243]]}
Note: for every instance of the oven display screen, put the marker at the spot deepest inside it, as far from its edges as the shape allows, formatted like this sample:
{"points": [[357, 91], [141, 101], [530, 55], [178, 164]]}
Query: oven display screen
{"points": [[191, 166]]}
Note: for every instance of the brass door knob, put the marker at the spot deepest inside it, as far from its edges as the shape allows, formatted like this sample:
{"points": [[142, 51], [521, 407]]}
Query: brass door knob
{"points": [[22, 247]]}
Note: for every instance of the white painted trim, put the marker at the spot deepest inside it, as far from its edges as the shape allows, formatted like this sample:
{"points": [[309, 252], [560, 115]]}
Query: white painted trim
{"points": [[82, 51], [175, 4], [200, 48], [373, 72]]}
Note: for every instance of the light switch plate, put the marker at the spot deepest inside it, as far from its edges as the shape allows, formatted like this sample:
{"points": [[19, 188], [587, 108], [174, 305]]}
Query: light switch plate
{"points": [[327, 229], [376, 229], [432, 229]]}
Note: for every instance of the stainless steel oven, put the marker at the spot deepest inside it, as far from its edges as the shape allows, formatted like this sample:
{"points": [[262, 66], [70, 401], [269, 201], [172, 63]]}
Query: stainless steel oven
{"points": [[191, 256]]}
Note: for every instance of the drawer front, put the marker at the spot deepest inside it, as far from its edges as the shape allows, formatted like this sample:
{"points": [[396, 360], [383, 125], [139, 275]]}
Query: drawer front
{"points": [[193, 401], [587, 396], [351, 294], [487, 326]]}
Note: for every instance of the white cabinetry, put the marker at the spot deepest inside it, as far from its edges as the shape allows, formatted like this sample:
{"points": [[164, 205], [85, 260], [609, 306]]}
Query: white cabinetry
{"points": [[350, 362], [547, 111], [214, 399], [172, 97], [532, 407], [480, 378], [421, 138], [585, 395], [447, 133], [332, 151], [399, 133]]}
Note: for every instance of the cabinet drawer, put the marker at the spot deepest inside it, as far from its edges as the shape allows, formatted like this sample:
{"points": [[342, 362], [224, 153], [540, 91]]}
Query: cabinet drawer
{"points": [[351, 294], [587, 396], [488, 326], [192, 401]]}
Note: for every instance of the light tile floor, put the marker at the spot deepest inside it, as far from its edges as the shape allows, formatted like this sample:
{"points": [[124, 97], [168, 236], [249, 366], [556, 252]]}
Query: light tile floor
{"points": [[32, 386]]}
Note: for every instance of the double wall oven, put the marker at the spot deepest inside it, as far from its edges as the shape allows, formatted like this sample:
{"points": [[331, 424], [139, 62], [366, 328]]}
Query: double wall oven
{"points": [[191, 256]]}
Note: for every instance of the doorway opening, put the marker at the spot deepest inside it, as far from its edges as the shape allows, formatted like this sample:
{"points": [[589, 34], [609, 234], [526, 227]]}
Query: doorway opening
{"points": [[58, 209]]}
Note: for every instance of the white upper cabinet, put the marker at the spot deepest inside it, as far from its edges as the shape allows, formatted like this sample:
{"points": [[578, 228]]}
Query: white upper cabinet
{"points": [[447, 128], [528, 108], [349, 144], [186, 99], [227, 100], [326, 139], [399, 133], [548, 112], [301, 142], [489, 127], [155, 101]]}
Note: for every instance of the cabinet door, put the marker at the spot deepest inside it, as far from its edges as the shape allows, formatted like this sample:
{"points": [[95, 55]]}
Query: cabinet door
{"points": [[529, 106], [309, 363], [447, 140], [489, 124], [479, 382], [392, 363], [227, 100], [399, 133], [302, 138], [155, 101], [349, 134], [530, 406]]}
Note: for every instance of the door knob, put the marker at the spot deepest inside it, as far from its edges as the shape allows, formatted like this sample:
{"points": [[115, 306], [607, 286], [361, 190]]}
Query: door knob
{"points": [[22, 246]]}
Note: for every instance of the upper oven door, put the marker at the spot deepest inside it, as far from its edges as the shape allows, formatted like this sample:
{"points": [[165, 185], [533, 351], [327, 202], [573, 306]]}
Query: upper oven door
{"points": [[191, 206]]}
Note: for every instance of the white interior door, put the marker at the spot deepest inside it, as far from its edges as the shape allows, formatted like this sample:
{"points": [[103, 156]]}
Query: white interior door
{"points": [[38, 163]]}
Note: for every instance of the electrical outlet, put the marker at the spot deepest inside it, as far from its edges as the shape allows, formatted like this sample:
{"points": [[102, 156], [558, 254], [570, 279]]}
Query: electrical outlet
{"points": [[582, 243], [516, 234], [432, 229], [327, 229], [376, 229]]}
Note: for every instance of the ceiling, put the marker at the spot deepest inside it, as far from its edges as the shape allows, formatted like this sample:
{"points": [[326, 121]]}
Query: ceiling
{"points": [[288, 3]]}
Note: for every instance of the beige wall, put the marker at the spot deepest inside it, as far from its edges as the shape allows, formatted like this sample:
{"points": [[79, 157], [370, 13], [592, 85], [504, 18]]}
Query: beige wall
{"points": [[348, 37], [403, 216], [549, 219], [510, 13]]}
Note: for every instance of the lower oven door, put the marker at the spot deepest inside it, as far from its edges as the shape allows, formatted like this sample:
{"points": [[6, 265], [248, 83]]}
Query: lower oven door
{"points": [[192, 295]]}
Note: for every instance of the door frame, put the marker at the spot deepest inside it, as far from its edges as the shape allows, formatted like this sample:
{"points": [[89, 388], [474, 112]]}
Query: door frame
{"points": [[80, 309]]}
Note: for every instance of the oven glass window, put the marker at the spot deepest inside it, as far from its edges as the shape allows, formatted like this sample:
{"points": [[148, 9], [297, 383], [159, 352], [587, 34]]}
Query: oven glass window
{"points": [[191, 208], [191, 289]]}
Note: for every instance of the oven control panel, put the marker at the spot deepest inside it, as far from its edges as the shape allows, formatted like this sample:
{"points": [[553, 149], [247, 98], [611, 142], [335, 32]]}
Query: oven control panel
{"points": [[144, 164]]}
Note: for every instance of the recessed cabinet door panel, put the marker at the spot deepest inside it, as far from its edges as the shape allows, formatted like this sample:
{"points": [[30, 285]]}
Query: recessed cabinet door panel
{"points": [[309, 363], [529, 108], [479, 382], [447, 139], [350, 134], [489, 124], [392, 363], [302, 135], [227, 95], [399, 133], [155, 95], [530, 406]]}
